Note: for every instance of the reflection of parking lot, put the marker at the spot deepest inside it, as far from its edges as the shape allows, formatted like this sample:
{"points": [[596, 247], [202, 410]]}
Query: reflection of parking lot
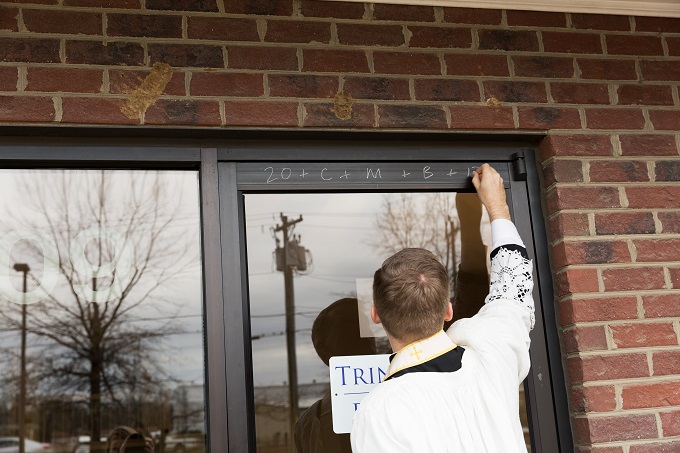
{"points": [[11, 445]]}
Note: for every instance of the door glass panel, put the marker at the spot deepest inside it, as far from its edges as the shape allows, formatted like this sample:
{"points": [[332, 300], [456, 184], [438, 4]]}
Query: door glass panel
{"points": [[303, 293], [101, 324]]}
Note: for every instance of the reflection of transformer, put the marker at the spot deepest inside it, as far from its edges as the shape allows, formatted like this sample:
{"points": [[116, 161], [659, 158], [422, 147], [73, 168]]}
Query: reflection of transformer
{"points": [[296, 256]]}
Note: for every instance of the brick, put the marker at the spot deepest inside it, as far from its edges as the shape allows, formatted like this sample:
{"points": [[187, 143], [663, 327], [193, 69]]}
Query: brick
{"points": [[580, 93], [336, 10], [600, 398], [324, 115], [618, 171], [440, 37], [645, 95], [147, 26], [590, 252], [653, 197], [446, 90], [606, 367], [187, 55], [582, 198], [384, 11], [666, 362], [184, 112], [616, 428], [657, 24], [648, 145], [670, 222], [673, 46], [406, 63], [377, 88], [67, 22], [614, 119], [581, 339], [472, 16], [561, 170], [303, 86], [8, 78], [516, 91], [94, 111], [562, 42], [599, 450], [229, 84], [412, 116], [665, 447], [675, 277], [121, 4], [344, 61], [643, 335], [279, 114], [667, 170], [64, 80], [189, 5], [548, 118], [598, 309], [661, 306], [221, 29], [651, 395], [536, 19], [633, 45], [510, 40], [573, 280], [9, 19], [111, 53], [575, 145], [371, 35], [625, 223], [473, 117], [126, 81], [26, 109], [670, 423], [262, 58], [298, 31], [569, 224], [29, 50], [600, 22], [657, 250], [660, 70], [543, 67], [665, 120], [633, 278], [607, 69], [476, 65]]}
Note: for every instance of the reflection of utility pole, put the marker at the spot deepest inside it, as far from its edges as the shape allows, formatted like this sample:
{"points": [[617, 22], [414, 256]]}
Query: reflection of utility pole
{"points": [[21, 267], [451, 237], [289, 259]]}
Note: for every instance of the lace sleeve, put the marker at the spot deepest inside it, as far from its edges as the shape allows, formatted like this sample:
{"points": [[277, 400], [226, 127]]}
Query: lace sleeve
{"points": [[511, 278]]}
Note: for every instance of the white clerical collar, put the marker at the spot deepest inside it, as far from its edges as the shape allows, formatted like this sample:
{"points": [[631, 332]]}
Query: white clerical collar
{"points": [[420, 352]]}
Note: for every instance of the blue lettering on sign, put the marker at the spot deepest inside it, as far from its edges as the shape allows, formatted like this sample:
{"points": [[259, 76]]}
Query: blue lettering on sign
{"points": [[360, 375], [343, 372], [356, 406]]}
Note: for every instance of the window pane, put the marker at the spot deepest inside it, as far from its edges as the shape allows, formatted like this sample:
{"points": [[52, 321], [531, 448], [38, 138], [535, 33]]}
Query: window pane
{"points": [[341, 238], [101, 271]]}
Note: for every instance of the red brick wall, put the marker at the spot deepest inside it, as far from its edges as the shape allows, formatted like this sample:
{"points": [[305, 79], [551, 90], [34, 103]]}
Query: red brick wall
{"points": [[604, 88]]}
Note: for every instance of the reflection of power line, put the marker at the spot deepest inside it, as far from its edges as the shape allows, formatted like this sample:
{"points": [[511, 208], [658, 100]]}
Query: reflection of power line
{"points": [[277, 334], [276, 315], [335, 280]]}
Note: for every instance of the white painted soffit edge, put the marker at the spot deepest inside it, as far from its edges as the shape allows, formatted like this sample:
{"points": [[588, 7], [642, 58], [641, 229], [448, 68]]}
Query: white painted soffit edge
{"points": [[658, 8]]}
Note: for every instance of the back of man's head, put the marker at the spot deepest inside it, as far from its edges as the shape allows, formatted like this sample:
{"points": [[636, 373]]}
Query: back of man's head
{"points": [[411, 294]]}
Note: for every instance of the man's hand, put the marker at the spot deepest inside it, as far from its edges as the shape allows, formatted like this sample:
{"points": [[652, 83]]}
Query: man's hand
{"points": [[491, 192]]}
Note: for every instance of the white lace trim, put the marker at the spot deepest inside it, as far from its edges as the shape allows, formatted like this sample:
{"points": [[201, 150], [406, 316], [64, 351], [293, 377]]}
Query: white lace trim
{"points": [[511, 278]]}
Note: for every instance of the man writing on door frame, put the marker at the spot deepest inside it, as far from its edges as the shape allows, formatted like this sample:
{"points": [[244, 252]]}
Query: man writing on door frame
{"points": [[453, 391]]}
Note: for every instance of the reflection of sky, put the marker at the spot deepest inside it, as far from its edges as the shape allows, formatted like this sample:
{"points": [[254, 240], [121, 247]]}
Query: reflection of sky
{"points": [[177, 301]]}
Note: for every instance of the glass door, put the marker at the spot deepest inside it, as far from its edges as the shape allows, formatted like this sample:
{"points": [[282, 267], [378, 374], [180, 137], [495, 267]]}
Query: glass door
{"points": [[311, 258]]}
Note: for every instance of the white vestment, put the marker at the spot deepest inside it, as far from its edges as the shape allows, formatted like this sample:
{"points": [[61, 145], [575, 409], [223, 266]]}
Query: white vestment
{"points": [[476, 408]]}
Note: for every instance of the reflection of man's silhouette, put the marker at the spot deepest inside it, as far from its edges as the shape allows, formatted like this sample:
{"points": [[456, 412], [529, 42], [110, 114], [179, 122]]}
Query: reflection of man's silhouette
{"points": [[472, 284], [335, 333], [124, 439]]}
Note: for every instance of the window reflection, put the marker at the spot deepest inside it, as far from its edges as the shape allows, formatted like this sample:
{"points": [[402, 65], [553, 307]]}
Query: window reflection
{"points": [[101, 312], [346, 236]]}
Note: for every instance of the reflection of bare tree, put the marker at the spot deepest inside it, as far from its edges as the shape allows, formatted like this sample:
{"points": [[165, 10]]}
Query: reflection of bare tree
{"points": [[104, 350], [424, 221]]}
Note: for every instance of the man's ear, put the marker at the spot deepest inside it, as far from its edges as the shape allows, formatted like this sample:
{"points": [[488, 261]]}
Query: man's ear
{"points": [[449, 312], [374, 315]]}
